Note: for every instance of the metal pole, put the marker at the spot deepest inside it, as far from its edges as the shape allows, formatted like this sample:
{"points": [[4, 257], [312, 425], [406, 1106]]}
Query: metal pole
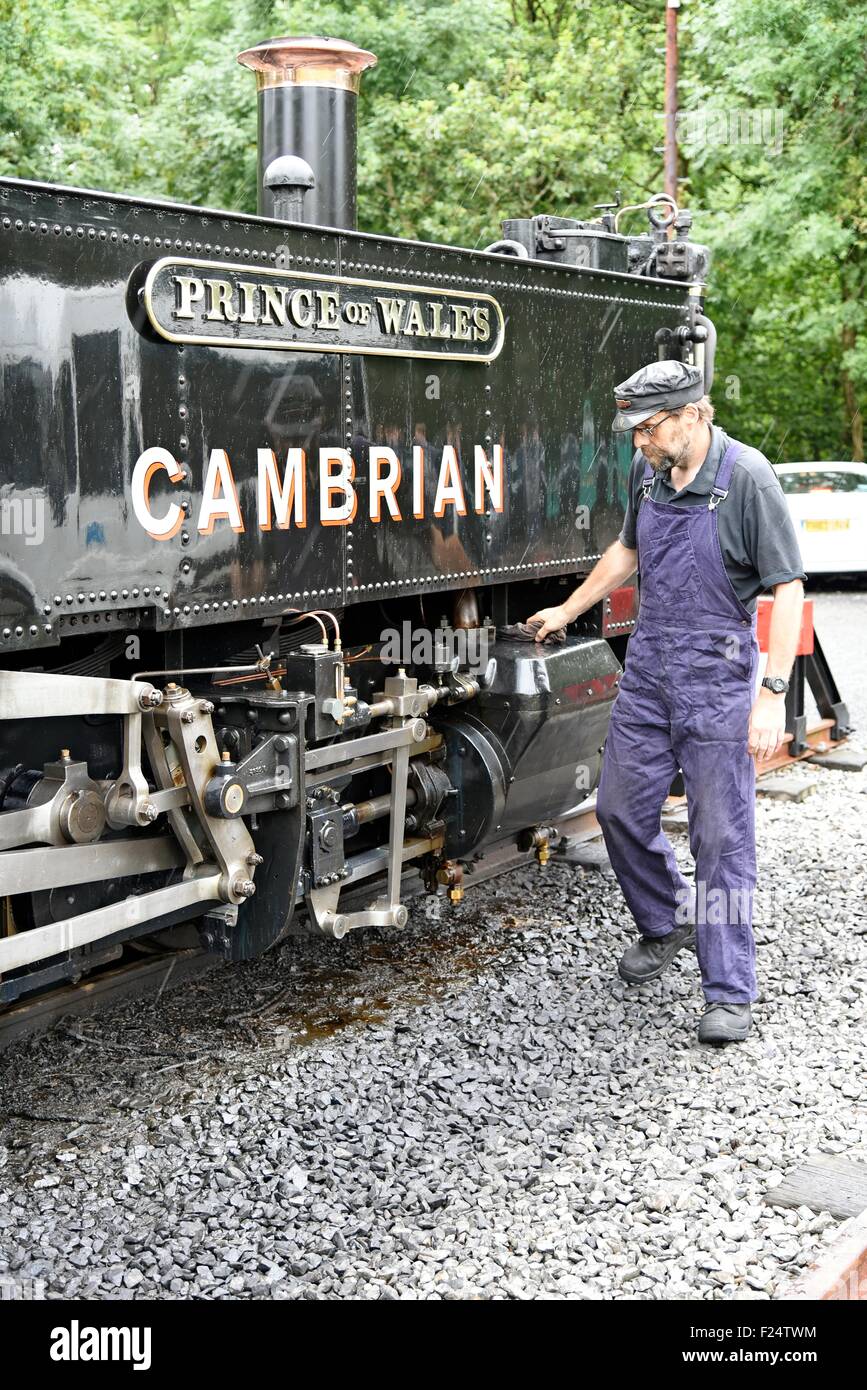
{"points": [[670, 158]]}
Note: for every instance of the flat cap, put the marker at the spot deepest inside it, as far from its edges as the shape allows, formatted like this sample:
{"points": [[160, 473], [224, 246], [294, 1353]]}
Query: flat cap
{"points": [[658, 386]]}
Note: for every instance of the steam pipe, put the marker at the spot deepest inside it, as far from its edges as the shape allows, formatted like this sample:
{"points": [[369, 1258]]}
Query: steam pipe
{"points": [[307, 104], [671, 56], [702, 321]]}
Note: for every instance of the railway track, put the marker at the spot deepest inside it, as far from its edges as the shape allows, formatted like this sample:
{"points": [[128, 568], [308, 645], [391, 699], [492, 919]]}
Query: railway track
{"points": [[579, 841]]}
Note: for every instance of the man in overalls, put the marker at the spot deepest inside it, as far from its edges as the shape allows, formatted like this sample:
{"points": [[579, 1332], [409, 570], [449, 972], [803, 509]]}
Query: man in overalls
{"points": [[708, 528]]}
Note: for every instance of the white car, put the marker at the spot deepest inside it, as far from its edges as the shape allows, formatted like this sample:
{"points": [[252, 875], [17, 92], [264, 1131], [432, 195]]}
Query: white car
{"points": [[828, 504]]}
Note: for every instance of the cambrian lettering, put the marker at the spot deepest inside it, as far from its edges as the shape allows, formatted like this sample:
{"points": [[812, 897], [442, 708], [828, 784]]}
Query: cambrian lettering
{"points": [[281, 490]]}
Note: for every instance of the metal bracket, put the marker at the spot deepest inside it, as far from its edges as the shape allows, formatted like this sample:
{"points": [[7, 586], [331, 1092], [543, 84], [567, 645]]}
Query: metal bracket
{"points": [[322, 906], [267, 779], [406, 728], [127, 802], [187, 721], [825, 692]]}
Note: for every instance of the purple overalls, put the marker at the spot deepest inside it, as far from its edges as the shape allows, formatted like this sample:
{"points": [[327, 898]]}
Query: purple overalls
{"points": [[684, 701]]}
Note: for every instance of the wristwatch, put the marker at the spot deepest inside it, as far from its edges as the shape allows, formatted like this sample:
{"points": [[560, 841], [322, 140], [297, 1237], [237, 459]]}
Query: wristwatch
{"points": [[778, 684]]}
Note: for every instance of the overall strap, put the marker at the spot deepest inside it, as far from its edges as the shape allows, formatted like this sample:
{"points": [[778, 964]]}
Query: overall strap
{"points": [[647, 480], [720, 489]]}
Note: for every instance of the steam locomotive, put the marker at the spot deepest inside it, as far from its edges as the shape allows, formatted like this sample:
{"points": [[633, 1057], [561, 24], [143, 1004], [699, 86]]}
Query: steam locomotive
{"points": [[271, 490]]}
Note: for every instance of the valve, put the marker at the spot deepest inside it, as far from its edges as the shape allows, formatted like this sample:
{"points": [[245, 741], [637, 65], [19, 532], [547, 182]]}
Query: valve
{"points": [[450, 876], [538, 839]]}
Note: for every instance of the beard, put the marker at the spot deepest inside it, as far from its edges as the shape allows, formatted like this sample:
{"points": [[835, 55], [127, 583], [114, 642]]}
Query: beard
{"points": [[663, 461]]}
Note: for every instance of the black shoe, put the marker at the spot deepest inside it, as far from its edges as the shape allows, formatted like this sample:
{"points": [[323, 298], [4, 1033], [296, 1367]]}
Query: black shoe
{"points": [[652, 955], [724, 1023]]}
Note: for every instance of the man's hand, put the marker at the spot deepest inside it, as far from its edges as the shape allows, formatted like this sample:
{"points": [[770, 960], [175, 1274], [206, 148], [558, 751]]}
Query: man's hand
{"points": [[767, 725], [552, 619], [615, 567]]}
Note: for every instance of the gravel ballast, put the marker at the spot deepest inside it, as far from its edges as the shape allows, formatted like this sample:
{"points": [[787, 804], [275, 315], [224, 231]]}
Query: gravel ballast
{"points": [[477, 1107]]}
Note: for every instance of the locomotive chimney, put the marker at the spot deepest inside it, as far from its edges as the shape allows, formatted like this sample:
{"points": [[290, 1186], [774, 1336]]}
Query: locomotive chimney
{"points": [[308, 97]]}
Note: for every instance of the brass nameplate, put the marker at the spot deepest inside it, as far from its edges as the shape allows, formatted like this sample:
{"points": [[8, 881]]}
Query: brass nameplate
{"points": [[227, 305]]}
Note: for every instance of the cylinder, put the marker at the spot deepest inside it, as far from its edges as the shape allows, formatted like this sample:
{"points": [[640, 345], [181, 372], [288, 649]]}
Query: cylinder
{"points": [[307, 105]]}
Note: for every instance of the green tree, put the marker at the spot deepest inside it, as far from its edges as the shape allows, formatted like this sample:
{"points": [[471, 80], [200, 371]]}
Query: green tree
{"points": [[480, 110], [786, 215]]}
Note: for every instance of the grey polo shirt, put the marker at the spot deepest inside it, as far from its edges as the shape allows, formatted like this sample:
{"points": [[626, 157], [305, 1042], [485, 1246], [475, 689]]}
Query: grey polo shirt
{"points": [[758, 541]]}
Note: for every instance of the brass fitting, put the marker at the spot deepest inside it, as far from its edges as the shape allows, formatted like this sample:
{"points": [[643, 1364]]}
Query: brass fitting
{"points": [[538, 839], [450, 876]]}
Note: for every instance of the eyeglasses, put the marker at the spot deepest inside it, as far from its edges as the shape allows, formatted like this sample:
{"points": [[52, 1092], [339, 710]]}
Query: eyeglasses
{"points": [[649, 429]]}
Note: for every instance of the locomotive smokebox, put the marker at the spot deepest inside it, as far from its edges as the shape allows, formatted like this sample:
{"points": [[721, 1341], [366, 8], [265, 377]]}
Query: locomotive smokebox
{"points": [[308, 99]]}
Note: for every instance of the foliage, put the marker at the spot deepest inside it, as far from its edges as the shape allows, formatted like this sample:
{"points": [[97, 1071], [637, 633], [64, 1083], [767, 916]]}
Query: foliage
{"points": [[484, 109]]}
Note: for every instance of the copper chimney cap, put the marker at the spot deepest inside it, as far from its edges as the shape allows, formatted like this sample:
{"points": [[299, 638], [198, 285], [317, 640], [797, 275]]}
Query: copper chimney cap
{"points": [[312, 61]]}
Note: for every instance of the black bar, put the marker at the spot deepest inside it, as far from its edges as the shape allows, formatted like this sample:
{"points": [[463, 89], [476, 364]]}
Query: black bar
{"points": [[825, 691]]}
